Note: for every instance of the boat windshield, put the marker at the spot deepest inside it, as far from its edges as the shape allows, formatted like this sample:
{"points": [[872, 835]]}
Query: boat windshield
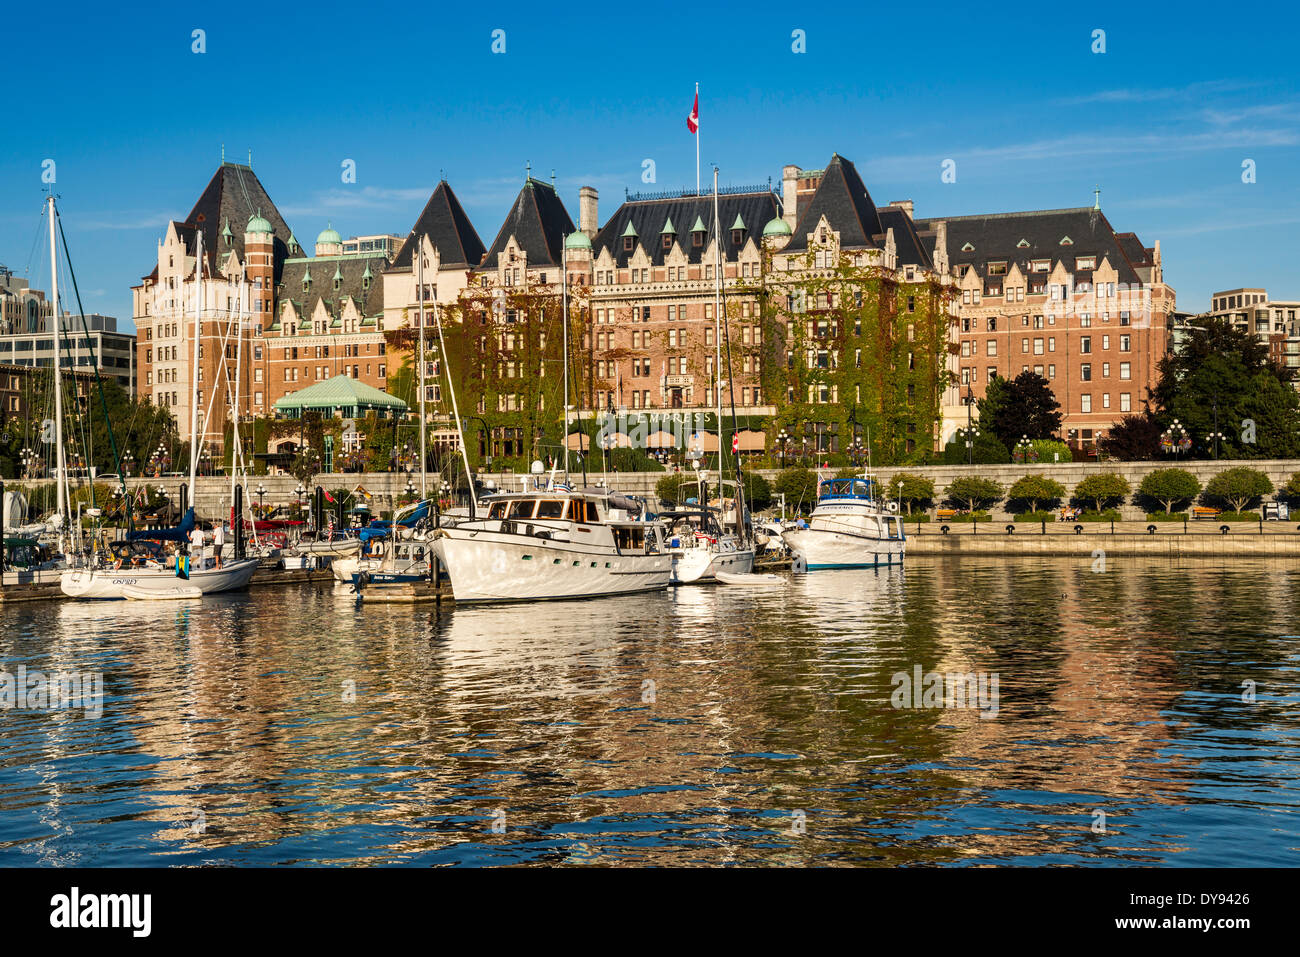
{"points": [[846, 488]]}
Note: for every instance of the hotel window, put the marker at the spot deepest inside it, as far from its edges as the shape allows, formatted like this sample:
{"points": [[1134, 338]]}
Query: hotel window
{"points": [[1125, 402], [1123, 317], [1125, 371], [708, 310], [1038, 347], [1051, 371], [1051, 343], [1124, 343], [1085, 344], [1024, 346], [708, 335], [1105, 400], [1085, 372], [1085, 320], [991, 347], [993, 324], [1085, 402], [1105, 342], [672, 338], [997, 269], [1038, 371], [965, 297], [992, 372], [965, 348]]}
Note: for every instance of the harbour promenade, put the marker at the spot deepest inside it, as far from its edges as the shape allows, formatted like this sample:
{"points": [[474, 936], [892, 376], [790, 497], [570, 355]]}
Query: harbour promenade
{"points": [[212, 493]]}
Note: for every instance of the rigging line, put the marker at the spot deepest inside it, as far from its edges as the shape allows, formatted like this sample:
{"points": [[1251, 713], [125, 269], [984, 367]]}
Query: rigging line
{"points": [[68, 348], [94, 362]]}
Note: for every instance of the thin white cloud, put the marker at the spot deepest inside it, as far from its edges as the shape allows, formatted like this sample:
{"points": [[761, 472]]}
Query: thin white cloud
{"points": [[1139, 95]]}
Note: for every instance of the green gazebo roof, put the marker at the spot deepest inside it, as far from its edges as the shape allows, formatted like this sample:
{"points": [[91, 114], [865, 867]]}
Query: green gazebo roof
{"points": [[340, 392]]}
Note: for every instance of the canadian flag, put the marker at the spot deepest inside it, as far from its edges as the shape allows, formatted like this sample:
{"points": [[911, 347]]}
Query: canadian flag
{"points": [[735, 441], [693, 121]]}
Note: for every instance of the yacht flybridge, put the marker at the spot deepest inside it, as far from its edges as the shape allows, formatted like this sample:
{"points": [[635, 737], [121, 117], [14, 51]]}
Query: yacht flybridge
{"points": [[848, 528], [554, 543]]}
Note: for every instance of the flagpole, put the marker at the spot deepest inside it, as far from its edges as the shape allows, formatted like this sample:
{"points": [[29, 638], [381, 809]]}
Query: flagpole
{"points": [[697, 143]]}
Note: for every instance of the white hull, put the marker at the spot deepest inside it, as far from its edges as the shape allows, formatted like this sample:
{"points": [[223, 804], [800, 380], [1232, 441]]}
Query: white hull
{"points": [[823, 548], [703, 564], [489, 566], [107, 583]]}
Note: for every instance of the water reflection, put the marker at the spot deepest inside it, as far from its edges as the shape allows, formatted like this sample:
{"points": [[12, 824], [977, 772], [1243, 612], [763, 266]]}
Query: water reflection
{"points": [[699, 726]]}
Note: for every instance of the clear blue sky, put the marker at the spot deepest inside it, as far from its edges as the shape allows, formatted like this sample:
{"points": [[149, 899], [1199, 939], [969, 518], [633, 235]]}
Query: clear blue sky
{"points": [[1033, 118]]}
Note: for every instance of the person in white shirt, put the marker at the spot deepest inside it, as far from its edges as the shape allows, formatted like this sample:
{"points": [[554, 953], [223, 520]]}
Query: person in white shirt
{"points": [[196, 549], [218, 539]]}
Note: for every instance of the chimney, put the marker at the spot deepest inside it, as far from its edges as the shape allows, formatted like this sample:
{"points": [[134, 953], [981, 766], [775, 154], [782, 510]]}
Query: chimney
{"points": [[790, 194], [905, 205], [587, 205]]}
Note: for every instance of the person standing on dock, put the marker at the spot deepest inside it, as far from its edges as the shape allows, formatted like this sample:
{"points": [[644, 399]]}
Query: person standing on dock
{"points": [[218, 539], [196, 548]]}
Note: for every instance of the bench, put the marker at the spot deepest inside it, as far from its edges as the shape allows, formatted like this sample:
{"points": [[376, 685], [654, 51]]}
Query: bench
{"points": [[1204, 511], [943, 513]]}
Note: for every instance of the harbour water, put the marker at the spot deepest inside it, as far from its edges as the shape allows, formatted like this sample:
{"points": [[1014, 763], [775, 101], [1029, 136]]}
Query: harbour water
{"points": [[1145, 714]]}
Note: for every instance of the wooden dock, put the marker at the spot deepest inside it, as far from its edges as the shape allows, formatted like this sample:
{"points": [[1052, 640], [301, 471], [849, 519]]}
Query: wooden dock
{"points": [[16, 587]]}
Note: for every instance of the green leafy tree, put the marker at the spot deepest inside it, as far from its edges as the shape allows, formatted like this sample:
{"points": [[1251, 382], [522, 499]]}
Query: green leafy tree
{"points": [[1238, 487], [987, 450], [1291, 490], [972, 492], [1102, 490], [1024, 406], [1170, 487], [914, 491], [758, 491], [1222, 379], [799, 486], [1036, 489], [669, 488]]}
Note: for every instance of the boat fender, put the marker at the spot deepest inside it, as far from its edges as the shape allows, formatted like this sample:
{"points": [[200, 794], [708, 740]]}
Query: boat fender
{"points": [[798, 563]]}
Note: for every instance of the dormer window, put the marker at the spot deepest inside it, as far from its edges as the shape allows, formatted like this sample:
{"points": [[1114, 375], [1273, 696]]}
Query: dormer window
{"points": [[1086, 262], [697, 240], [667, 241], [629, 243], [306, 284], [997, 269], [1067, 241], [967, 248], [1023, 244], [737, 237]]}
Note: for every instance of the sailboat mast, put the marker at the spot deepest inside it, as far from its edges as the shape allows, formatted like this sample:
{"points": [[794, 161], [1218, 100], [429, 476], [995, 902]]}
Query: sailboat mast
{"points": [[455, 411], [564, 321], [717, 327], [59, 461], [239, 363], [194, 366], [419, 281]]}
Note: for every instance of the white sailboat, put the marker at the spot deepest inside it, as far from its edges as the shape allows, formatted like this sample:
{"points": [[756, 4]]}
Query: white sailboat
{"points": [[700, 557], [553, 542], [109, 582]]}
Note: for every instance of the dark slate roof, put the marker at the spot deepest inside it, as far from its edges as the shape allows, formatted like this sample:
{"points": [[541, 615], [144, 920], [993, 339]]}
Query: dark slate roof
{"points": [[843, 199], [912, 250], [233, 196], [444, 221], [648, 218], [1132, 247], [539, 221], [996, 237], [353, 269]]}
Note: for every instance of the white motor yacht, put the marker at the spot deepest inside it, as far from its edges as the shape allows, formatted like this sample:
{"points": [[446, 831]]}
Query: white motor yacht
{"points": [[554, 543], [848, 528]]}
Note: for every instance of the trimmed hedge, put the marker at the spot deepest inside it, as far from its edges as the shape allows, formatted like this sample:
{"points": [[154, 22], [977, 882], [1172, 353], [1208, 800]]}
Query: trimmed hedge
{"points": [[1236, 517], [970, 517], [1036, 517], [1110, 515], [1178, 517]]}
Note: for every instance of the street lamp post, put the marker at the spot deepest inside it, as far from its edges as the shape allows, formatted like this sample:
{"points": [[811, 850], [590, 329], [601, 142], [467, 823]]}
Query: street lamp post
{"points": [[261, 496], [970, 427], [783, 437]]}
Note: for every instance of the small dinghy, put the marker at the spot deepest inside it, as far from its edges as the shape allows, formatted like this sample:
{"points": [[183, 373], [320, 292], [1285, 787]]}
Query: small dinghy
{"points": [[177, 592], [731, 578]]}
